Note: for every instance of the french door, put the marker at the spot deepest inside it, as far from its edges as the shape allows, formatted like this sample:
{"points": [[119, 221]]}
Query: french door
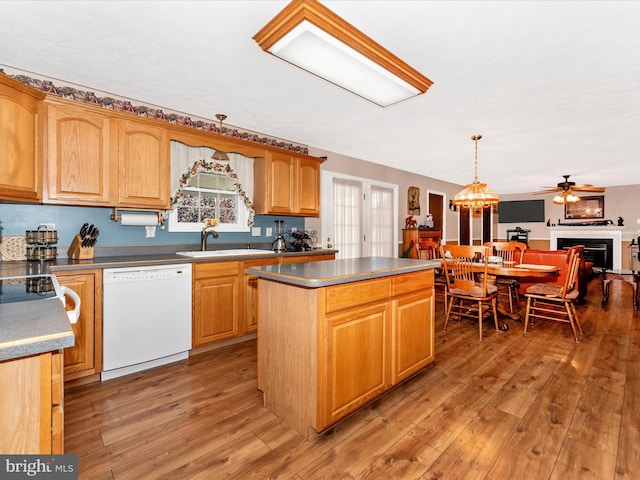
{"points": [[359, 215]]}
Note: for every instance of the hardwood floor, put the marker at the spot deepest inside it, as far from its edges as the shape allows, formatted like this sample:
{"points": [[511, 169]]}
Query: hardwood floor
{"points": [[537, 407]]}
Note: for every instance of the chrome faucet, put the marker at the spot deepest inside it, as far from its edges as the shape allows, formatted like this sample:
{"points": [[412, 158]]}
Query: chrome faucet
{"points": [[206, 231]]}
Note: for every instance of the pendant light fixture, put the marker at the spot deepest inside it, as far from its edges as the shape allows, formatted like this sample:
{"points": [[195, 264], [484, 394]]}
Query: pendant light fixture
{"points": [[476, 195], [219, 155]]}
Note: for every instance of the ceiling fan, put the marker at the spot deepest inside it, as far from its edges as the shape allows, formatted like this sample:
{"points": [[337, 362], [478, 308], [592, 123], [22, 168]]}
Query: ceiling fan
{"points": [[565, 191]]}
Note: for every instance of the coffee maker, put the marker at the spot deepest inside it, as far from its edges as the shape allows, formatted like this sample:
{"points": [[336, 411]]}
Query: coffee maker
{"points": [[279, 244]]}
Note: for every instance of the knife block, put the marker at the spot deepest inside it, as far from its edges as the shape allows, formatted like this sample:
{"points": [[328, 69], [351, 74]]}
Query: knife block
{"points": [[77, 251]]}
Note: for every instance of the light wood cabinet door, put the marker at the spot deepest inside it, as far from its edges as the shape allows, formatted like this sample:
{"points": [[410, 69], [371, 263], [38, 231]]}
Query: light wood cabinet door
{"points": [[356, 351], [143, 164], [78, 162], [251, 293], [20, 141], [85, 357], [216, 302], [287, 185], [308, 188], [31, 390], [282, 180], [413, 333]]}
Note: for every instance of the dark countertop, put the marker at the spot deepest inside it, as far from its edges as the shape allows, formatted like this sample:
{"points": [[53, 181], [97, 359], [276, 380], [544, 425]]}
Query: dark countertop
{"points": [[17, 268], [335, 272], [38, 326], [33, 327]]}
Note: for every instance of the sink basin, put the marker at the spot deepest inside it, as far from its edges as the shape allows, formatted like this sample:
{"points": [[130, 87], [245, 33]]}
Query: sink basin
{"points": [[226, 253]]}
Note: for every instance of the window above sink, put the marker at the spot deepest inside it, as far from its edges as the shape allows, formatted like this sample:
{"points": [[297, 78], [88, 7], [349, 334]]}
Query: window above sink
{"points": [[209, 188]]}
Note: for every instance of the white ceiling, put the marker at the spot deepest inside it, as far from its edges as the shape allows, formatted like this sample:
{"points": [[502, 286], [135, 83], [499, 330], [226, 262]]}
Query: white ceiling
{"points": [[553, 86]]}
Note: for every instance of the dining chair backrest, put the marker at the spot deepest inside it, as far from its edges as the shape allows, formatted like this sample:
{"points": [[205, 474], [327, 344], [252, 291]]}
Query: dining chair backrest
{"points": [[428, 250], [464, 263], [571, 279], [507, 250]]}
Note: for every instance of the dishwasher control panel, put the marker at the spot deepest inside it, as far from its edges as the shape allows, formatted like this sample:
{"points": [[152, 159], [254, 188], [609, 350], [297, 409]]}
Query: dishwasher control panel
{"points": [[140, 274]]}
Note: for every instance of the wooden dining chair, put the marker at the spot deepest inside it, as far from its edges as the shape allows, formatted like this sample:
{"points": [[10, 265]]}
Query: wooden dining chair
{"points": [[508, 286], [556, 302], [470, 294], [430, 250]]}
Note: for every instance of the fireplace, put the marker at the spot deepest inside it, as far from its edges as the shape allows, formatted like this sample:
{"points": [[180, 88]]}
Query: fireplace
{"points": [[599, 251], [603, 244]]}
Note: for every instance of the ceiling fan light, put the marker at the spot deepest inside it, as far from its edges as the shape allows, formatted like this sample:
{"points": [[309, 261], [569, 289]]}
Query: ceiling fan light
{"points": [[571, 198], [558, 200]]}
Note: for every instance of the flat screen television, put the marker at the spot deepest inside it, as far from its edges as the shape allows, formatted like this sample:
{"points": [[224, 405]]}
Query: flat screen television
{"points": [[521, 211]]}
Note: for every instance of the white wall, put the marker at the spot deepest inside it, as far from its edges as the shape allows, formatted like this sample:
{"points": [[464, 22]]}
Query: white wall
{"points": [[361, 168], [622, 201]]}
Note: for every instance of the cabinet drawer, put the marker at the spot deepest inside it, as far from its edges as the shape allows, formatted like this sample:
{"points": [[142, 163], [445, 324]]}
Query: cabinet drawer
{"points": [[259, 262], [411, 282], [358, 293], [215, 269]]}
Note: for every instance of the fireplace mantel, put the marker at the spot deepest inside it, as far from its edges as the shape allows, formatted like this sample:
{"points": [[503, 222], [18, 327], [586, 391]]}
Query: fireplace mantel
{"points": [[609, 231]]}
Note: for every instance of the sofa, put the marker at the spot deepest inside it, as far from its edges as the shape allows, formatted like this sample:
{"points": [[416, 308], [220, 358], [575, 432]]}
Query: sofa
{"points": [[557, 258]]}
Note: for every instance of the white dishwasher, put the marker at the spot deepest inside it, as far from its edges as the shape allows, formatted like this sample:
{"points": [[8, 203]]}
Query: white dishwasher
{"points": [[146, 317]]}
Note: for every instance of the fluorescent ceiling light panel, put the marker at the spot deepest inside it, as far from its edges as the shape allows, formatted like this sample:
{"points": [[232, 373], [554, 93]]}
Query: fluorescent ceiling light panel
{"points": [[312, 37]]}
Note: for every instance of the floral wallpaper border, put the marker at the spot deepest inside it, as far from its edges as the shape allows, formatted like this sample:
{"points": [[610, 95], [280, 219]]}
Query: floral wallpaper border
{"points": [[125, 106]]}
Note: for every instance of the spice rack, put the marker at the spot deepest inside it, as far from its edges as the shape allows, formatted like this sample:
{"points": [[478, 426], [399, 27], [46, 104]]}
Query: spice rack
{"points": [[39, 244]]}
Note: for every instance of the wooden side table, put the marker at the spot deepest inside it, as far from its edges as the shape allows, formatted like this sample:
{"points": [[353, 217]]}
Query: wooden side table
{"points": [[629, 276]]}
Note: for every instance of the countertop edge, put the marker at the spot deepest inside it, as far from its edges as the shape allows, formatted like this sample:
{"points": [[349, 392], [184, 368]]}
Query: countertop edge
{"points": [[309, 282]]}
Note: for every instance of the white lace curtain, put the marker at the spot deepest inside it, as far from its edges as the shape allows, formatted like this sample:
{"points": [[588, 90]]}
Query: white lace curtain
{"points": [[183, 158], [347, 217], [382, 209]]}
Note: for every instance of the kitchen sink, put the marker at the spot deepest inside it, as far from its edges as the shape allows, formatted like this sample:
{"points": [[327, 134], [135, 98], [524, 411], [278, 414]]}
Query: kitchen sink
{"points": [[226, 253]]}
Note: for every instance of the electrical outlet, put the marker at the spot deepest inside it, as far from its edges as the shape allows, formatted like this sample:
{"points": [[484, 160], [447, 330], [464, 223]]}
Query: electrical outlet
{"points": [[269, 231], [256, 231]]}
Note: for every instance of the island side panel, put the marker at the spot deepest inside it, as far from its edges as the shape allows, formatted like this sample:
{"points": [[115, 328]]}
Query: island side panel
{"points": [[287, 351]]}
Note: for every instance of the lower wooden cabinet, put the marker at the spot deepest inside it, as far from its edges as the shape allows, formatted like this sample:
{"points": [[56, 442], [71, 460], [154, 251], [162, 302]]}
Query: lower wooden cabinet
{"points": [[251, 292], [31, 395], [225, 297], [413, 346], [357, 349], [345, 345], [85, 357], [216, 301], [379, 332]]}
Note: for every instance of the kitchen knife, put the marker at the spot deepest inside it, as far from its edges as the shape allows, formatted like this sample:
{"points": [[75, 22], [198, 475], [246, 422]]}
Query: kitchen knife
{"points": [[84, 229]]}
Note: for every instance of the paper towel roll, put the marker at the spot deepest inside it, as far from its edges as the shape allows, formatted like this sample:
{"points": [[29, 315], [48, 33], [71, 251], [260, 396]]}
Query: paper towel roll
{"points": [[140, 220]]}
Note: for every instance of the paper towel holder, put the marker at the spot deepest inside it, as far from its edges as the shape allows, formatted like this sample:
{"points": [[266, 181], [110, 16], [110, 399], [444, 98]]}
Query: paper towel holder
{"points": [[115, 216]]}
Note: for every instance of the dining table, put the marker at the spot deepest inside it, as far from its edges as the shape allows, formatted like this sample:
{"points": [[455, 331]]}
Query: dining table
{"points": [[514, 270]]}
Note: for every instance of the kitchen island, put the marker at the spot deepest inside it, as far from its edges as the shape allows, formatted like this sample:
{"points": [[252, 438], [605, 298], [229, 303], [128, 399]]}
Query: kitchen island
{"points": [[334, 335]]}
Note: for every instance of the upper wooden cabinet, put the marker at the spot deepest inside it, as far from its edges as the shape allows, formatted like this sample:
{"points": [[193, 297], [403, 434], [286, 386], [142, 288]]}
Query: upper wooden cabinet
{"points": [[78, 167], [143, 164], [20, 141], [287, 185], [97, 158]]}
